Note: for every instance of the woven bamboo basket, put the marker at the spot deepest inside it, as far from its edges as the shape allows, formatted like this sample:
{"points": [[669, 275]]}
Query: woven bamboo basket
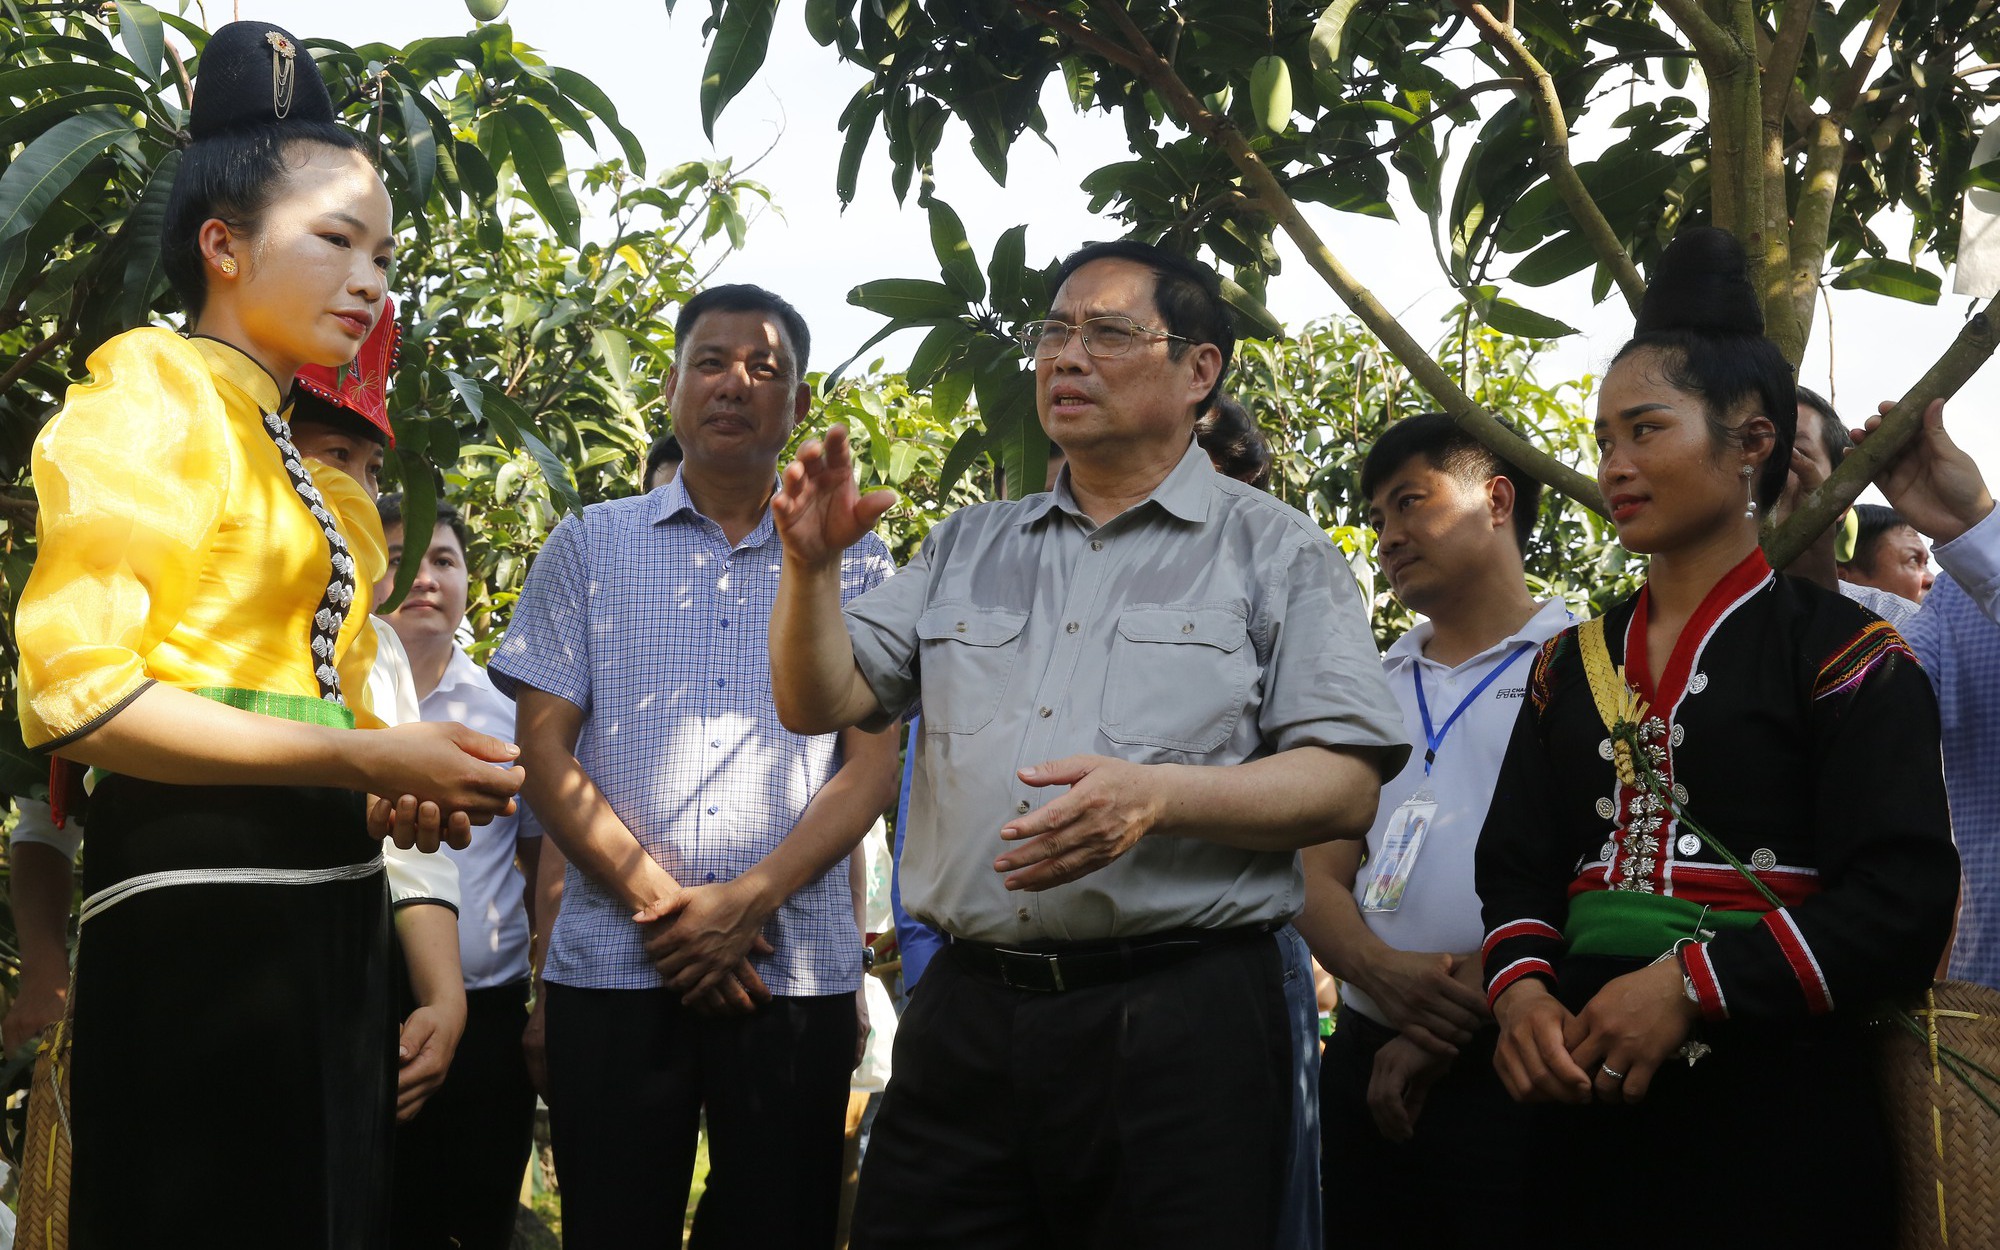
{"points": [[43, 1222], [1939, 1057]]}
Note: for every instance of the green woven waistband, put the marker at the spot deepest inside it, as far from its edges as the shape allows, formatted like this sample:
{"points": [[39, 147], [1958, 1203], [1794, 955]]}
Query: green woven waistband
{"points": [[298, 707], [1631, 925]]}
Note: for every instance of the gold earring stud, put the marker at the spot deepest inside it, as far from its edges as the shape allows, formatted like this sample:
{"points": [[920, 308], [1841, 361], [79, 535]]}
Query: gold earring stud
{"points": [[227, 265]]}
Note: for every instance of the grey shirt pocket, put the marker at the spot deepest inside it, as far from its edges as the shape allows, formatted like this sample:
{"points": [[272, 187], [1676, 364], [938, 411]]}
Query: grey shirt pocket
{"points": [[1178, 676], [968, 654]]}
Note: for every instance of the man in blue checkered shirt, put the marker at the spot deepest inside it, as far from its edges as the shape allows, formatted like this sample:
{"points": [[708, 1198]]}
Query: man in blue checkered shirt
{"points": [[706, 958], [1939, 490]]}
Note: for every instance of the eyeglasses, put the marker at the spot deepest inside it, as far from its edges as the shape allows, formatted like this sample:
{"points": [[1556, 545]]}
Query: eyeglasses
{"points": [[1103, 337]]}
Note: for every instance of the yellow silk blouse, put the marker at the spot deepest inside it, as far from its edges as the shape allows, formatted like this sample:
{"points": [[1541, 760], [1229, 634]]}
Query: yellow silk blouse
{"points": [[173, 545]]}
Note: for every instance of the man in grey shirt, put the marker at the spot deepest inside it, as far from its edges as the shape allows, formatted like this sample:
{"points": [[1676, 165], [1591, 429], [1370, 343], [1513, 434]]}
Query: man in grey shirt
{"points": [[1143, 692]]}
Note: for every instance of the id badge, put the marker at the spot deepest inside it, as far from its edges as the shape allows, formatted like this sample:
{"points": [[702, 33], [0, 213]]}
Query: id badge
{"points": [[1389, 871]]}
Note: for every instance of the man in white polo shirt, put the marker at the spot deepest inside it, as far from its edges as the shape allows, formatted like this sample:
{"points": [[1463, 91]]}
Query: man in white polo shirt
{"points": [[1410, 1106], [460, 1160]]}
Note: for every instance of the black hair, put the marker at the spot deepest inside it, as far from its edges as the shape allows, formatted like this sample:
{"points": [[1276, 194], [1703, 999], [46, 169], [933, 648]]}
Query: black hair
{"points": [[1187, 293], [309, 407], [743, 297], [1832, 434], [390, 508], [1702, 320], [232, 176], [666, 450], [1446, 447], [1872, 521], [1233, 441]]}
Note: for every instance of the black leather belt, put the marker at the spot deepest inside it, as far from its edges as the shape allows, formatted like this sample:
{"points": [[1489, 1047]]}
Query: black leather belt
{"points": [[1054, 968]]}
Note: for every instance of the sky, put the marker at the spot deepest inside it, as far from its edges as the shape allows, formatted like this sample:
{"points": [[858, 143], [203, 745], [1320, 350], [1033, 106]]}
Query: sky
{"points": [[650, 64]]}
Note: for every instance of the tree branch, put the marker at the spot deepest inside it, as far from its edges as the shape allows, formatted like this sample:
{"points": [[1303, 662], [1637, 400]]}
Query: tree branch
{"points": [[1781, 62], [1554, 156], [1841, 102], [1711, 42], [1819, 509], [1812, 220], [34, 354], [1139, 56]]}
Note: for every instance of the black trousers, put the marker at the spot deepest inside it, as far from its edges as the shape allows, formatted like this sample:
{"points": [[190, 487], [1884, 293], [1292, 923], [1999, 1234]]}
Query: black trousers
{"points": [[459, 1162], [631, 1072], [1468, 1145], [1153, 1112]]}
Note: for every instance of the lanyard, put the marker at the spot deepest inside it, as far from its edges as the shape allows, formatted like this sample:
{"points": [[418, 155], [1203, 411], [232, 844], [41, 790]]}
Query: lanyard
{"points": [[1434, 738]]}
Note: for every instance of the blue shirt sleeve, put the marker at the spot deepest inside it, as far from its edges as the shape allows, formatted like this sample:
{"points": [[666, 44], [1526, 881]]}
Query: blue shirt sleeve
{"points": [[547, 645], [916, 942]]}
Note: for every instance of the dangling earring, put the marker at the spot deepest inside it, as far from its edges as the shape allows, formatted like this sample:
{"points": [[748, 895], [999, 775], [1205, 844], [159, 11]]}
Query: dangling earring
{"points": [[1750, 503], [227, 265]]}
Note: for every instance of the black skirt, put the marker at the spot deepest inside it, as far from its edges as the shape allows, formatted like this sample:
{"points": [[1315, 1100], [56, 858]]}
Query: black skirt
{"points": [[233, 1071]]}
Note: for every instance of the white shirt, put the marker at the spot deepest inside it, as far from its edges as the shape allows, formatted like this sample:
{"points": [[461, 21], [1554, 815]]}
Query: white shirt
{"points": [[414, 877], [492, 916], [1440, 909]]}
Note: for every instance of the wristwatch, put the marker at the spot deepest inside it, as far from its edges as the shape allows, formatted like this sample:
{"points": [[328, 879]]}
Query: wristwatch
{"points": [[867, 958]]}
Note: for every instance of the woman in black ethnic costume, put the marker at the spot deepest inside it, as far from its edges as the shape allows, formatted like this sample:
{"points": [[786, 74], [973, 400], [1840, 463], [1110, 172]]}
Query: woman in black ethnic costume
{"points": [[1719, 837], [195, 631]]}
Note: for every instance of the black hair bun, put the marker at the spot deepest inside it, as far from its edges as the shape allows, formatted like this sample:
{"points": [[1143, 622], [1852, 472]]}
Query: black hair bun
{"points": [[255, 73], [1702, 283]]}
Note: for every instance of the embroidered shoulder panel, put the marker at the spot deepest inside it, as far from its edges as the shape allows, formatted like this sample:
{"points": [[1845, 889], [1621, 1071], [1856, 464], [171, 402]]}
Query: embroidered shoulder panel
{"points": [[1852, 663]]}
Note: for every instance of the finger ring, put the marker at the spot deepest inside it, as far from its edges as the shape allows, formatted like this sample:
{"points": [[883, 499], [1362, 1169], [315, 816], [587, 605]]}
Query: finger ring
{"points": [[1612, 1072]]}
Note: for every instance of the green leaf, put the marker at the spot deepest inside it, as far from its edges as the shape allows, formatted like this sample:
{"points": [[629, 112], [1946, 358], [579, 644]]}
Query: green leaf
{"points": [[145, 269], [422, 142], [537, 153], [964, 453], [735, 56], [1983, 177], [823, 21], [515, 428], [1508, 317], [592, 97], [1324, 43], [949, 393], [934, 353], [1892, 278], [916, 300], [1007, 409], [860, 129], [1004, 271], [1251, 310], [954, 254], [144, 37], [419, 486], [46, 167]]}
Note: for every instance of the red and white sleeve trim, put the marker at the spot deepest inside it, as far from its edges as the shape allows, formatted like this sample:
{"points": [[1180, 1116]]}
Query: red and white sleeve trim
{"points": [[1707, 988], [1805, 966], [1516, 929], [1514, 972]]}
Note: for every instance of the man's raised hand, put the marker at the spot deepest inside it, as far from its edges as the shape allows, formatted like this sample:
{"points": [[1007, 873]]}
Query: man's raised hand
{"points": [[818, 509], [1932, 483]]}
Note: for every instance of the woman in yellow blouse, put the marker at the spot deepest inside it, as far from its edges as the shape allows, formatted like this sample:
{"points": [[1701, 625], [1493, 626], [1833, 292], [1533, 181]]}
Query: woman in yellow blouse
{"points": [[193, 632]]}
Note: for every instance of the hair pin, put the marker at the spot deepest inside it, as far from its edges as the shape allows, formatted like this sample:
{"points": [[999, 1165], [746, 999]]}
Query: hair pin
{"points": [[284, 72]]}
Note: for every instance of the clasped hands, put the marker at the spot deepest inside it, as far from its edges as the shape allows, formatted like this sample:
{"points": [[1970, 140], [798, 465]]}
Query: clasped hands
{"points": [[1609, 1051], [444, 780], [701, 939]]}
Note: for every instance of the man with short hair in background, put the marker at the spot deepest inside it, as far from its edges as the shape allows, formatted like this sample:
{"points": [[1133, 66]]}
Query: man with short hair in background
{"points": [[706, 959]]}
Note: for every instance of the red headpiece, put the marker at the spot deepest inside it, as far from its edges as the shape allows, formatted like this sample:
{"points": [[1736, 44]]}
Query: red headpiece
{"points": [[361, 388]]}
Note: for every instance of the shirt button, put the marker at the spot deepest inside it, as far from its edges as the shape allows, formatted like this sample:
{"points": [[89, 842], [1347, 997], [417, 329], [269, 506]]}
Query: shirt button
{"points": [[1043, 712], [1097, 544], [1021, 808], [959, 628], [724, 622], [1023, 913], [710, 878], [715, 742], [1070, 628], [1188, 628], [721, 681], [713, 809]]}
